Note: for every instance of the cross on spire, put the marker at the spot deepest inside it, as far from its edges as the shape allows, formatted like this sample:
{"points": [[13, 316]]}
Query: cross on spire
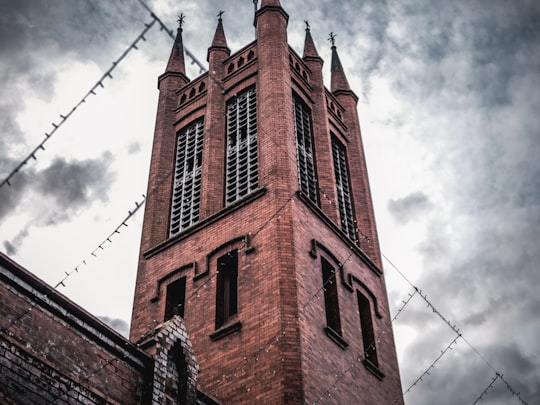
{"points": [[307, 25], [181, 19], [332, 38], [220, 14]]}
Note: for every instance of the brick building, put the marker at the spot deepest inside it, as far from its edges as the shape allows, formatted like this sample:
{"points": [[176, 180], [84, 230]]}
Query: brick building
{"points": [[259, 228], [260, 276]]}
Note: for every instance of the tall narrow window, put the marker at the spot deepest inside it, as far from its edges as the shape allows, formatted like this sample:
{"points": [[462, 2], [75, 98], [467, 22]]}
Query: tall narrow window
{"points": [[331, 303], [304, 150], [177, 376], [175, 299], [186, 200], [227, 286], [343, 189], [242, 164], [366, 324]]}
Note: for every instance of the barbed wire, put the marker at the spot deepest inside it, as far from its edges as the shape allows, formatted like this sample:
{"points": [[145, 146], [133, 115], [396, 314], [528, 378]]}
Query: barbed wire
{"points": [[431, 366], [484, 393], [454, 328], [64, 118], [138, 204]]}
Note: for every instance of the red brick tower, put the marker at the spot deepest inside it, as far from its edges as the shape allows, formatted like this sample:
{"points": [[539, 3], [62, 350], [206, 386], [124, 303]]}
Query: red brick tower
{"points": [[259, 228]]}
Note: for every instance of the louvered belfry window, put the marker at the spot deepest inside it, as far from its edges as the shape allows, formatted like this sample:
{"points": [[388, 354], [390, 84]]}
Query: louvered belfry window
{"points": [[242, 163], [343, 189], [186, 200], [304, 151]]}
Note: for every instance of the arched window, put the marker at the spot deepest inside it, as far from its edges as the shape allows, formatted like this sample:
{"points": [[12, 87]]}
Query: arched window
{"points": [[331, 303], [366, 326], [177, 378], [227, 288]]}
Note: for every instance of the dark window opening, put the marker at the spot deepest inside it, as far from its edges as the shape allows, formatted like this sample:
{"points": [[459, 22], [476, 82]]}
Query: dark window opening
{"points": [[366, 325], [331, 303], [227, 288], [177, 381], [175, 299]]}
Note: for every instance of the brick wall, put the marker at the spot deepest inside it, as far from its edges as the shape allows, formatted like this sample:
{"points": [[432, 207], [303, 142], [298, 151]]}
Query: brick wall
{"points": [[52, 351]]}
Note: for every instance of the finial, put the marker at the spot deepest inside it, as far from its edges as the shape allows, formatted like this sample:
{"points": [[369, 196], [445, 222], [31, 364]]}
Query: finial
{"points": [[220, 14], [332, 39], [307, 25], [180, 20]]}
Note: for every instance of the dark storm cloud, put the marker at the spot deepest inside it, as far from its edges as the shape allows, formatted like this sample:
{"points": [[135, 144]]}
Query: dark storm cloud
{"points": [[82, 27], [410, 207], [56, 193], [74, 184]]}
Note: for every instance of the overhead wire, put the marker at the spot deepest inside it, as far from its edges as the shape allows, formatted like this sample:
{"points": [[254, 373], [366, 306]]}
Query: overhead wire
{"points": [[64, 118], [484, 393]]}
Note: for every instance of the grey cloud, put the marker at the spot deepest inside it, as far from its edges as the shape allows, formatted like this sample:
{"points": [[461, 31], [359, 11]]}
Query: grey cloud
{"points": [[62, 189], [120, 325], [134, 147], [12, 247], [410, 207], [75, 183], [9, 248]]}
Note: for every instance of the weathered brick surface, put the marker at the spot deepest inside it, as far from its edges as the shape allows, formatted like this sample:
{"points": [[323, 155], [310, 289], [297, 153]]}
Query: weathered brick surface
{"points": [[275, 349], [52, 351]]}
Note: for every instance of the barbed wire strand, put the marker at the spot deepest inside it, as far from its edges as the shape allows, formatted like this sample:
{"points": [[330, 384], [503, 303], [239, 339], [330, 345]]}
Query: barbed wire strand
{"points": [[484, 393], [64, 118]]}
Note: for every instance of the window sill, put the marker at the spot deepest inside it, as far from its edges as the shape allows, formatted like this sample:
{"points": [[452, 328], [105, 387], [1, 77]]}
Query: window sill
{"points": [[373, 369], [336, 337], [247, 199], [225, 331]]}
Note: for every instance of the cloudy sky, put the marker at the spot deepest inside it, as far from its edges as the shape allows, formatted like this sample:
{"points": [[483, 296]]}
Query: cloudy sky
{"points": [[449, 105]]}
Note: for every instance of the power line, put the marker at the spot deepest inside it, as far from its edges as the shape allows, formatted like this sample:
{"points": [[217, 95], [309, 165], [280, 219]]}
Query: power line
{"points": [[91, 92]]}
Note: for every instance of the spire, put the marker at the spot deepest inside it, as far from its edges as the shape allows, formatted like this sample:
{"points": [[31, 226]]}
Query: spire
{"points": [[310, 51], [219, 42], [338, 80], [176, 60]]}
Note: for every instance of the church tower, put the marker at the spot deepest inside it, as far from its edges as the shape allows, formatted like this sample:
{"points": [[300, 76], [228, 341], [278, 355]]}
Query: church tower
{"points": [[259, 229]]}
